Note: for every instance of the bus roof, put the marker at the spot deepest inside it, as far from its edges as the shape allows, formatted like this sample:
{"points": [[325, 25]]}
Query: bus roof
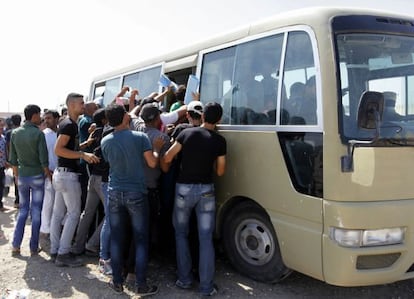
{"points": [[315, 17]]}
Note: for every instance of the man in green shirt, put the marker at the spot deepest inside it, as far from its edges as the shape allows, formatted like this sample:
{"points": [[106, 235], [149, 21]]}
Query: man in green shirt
{"points": [[29, 159]]}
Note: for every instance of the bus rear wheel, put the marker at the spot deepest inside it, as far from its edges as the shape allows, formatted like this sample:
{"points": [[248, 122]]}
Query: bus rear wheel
{"points": [[251, 245]]}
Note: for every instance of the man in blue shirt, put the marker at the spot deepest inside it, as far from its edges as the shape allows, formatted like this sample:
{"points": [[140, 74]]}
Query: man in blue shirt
{"points": [[127, 152]]}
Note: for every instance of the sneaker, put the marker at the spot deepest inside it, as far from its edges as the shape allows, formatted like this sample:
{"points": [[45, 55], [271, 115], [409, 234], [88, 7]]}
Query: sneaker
{"points": [[91, 253], [146, 290], [15, 252], [213, 292], [116, 287], [183, 285], [68, 260], [105, 266]]}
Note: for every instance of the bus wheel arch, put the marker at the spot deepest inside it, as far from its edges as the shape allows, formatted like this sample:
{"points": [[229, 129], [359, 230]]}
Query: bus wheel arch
{"points": [[251, 244]]}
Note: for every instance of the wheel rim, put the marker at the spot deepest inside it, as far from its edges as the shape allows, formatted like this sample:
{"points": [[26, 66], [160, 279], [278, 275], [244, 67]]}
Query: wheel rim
{"points": [[254, 242]]}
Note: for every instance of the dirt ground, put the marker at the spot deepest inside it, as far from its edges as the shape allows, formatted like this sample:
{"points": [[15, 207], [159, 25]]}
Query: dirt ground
{"points": [[36, 277]]}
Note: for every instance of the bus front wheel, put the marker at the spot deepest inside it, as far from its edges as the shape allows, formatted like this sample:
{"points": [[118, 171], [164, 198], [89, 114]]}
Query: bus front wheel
{"points": [[251, 245]]}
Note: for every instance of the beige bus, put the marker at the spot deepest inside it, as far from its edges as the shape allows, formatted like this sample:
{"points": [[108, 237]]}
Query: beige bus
{"points": [[319, 120]]}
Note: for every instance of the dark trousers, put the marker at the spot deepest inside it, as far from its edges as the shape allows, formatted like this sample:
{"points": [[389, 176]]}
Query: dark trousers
{"points": [[2, 178]]}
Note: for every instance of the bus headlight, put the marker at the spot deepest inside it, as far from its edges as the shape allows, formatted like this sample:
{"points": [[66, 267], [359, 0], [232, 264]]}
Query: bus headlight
{"points": [[365, 238]]}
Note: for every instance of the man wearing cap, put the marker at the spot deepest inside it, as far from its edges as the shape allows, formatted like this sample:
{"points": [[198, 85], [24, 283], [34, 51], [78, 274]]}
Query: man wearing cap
{"points": [[203, 154], [194, 112], [150, 113]]}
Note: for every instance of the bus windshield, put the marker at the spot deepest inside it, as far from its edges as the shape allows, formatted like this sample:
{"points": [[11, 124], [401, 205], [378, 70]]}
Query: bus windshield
{"points": [[382, 63]]}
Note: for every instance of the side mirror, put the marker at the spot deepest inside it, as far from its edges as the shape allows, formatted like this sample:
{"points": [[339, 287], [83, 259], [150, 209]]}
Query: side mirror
{"points": [[370, 110]]}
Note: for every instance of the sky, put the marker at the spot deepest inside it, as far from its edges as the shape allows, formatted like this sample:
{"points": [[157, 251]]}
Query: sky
{"points": [[50, 48]]}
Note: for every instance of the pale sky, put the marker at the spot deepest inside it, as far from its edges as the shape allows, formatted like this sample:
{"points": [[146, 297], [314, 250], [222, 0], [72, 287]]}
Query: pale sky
{"points": [[50, 48]]}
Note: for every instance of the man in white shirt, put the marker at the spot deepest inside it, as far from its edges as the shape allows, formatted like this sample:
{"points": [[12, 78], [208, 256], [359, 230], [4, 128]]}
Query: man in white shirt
{"points": [[51, 119]]}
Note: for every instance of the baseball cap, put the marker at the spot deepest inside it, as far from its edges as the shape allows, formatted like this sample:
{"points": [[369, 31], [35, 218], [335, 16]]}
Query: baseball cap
{"points": [[149, 112], [195, 106]]}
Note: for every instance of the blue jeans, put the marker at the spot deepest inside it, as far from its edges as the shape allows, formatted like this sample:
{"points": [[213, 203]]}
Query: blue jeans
{"points": [[67, 206], [35, 186], [124, 208], [201, 198], [105, 244]]}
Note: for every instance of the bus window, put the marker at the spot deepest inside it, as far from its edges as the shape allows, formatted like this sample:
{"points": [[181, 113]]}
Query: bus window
{"points": [[112, 88], [216, 79], [299, 104], [146, 81], [245, 80], [383, 63]]}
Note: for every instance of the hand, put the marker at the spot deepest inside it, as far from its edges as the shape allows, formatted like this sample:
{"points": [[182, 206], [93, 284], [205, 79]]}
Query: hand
{"points": [[92, 128], [90, 158], [158, 143], [195, 96]]}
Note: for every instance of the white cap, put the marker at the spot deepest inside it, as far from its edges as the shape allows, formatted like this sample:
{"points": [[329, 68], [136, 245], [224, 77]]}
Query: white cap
{"points": [[196, 106]]}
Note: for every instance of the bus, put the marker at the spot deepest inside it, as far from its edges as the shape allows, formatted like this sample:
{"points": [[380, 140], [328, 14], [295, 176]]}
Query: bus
{"points": [[318, 178]]}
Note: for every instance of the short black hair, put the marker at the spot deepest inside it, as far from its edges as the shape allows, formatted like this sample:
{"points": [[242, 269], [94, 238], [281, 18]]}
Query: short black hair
{"points": [[31, 110], [98, 116], [180, 93], [54, 113], [115, 114], [16, 119], [212, 112], [73, 96], [194, 115]]}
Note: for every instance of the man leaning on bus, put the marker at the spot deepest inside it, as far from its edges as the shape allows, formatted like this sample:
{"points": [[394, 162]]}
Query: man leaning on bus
{"points": [[202, 149]]}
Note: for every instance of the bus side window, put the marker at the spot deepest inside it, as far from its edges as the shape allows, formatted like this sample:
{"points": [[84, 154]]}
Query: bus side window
{"points": [[299, 78]]}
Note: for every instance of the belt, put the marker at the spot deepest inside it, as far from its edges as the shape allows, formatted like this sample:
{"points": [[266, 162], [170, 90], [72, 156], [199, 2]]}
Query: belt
{"points": [[64, 169]]}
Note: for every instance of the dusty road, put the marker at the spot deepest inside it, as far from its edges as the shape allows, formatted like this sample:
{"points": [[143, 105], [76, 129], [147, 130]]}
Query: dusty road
{"points": [[39, 278]]}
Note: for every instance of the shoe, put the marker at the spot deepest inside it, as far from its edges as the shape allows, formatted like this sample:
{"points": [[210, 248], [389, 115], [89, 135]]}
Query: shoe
{"points": [[117, 287], [53, 257], [146, 290], [213, 292], [68, 260], [44, 242], [15, 252], [91, 253], [34, 253], [105, 266], [183, 285]]}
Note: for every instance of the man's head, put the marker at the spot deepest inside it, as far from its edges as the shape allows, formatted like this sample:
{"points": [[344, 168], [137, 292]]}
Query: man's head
{"points": [[90, 108], [51, 118], [115, 114], [75, 104], [99, 117], [32, 114], [180, 93], [195, 110], [150, 113], [16, 119], [212, 113]]}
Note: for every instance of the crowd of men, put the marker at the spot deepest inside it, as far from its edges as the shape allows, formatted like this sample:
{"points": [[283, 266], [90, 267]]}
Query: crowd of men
{"points": [[145, 169]]}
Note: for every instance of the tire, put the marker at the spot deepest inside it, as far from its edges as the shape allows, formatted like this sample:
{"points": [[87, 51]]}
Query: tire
{"points": [[251, 245]]}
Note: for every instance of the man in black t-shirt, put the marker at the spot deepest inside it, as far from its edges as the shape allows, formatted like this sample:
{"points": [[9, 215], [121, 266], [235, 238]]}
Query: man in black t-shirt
{"points": [[66, 183], [203, 153]]}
